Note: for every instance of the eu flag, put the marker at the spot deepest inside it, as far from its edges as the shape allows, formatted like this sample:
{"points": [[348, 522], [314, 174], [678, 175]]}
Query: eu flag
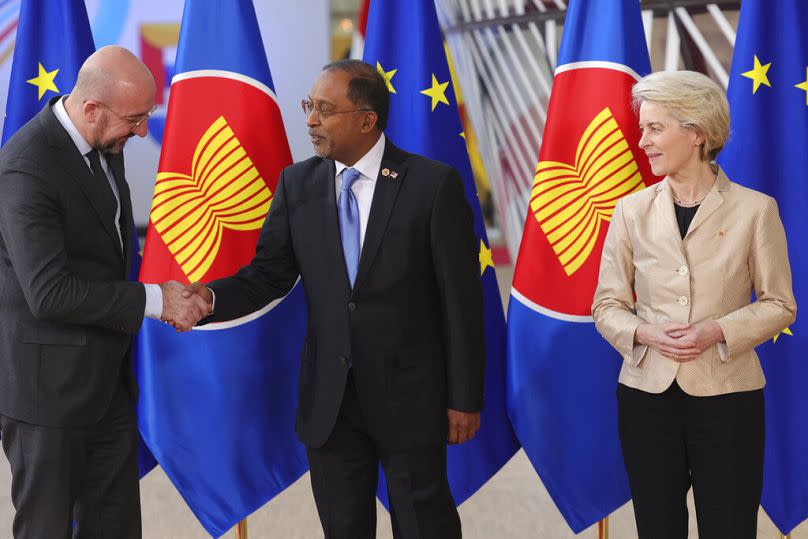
{"points": [[768, 151], [53, 40], [562, 376], [404, 43], [217, 405]]}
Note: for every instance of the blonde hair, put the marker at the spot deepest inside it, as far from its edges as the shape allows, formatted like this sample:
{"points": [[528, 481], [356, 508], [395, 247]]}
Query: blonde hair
{"points": [[694, 100]]}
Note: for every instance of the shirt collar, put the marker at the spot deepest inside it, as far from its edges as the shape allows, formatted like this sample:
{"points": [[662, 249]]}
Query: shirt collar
{"points": [[370, 163], [61, 114]]}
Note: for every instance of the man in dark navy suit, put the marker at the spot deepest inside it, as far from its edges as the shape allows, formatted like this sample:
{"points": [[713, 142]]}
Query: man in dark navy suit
{"points": [[393, 362]]}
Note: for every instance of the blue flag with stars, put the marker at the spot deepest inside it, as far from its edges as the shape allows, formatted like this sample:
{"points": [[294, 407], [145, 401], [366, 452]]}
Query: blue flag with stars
{"points": [[53, 40], [424, 119], [768, 96]]}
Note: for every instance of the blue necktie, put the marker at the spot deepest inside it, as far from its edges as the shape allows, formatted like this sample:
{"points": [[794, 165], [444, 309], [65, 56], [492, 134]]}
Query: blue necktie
{"points": [[348, 210]]}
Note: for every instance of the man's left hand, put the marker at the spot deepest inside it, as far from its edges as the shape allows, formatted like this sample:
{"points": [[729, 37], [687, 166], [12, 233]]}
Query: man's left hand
{"points": [[462, 426]]}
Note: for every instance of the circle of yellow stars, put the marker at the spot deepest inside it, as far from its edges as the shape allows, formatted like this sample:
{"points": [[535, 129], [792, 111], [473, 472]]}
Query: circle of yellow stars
{"points": [[44, 81], [759, 74]]}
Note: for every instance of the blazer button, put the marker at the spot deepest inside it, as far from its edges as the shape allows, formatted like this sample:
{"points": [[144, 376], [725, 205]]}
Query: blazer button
{"points": [[683, 271], [344, 361], [682, 301], [352, 306]]}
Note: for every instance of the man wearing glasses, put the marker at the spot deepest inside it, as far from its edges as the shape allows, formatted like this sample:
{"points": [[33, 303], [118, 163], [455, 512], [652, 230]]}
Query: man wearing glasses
{"points": [[67, 313], [393, 363]]}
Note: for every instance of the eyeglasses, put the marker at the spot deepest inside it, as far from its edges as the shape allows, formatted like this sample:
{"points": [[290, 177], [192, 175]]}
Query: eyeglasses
{"points": [[134, 122], [309, 106]]}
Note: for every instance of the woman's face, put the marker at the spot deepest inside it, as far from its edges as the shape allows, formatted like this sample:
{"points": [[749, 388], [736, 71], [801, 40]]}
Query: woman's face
{"points": [[670, 147]]}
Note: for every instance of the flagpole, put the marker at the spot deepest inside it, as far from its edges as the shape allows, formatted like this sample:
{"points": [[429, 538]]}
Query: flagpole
{"points": [[241, 529], [603, 528]]}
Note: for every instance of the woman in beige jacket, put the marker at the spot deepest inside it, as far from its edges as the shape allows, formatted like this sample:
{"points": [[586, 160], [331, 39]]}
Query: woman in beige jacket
{"points": [[694, 275]]}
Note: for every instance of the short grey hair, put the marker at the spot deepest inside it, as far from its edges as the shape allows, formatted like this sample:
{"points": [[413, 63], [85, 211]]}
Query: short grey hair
{"points": [[694, 100]]}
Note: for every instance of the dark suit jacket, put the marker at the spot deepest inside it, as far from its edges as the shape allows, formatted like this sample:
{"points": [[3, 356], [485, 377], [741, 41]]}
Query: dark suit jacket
{"points": [[412, 327], [67, 314]]}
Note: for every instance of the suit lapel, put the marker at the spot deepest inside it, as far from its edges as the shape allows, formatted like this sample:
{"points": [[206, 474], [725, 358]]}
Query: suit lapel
{"points": [[384, 198], [664, 207], [75, 166], [711, 202]]}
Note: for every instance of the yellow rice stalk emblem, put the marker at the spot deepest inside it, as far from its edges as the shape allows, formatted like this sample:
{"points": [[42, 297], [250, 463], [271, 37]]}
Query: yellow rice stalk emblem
{"points": [[571, 203], [224, 190]]}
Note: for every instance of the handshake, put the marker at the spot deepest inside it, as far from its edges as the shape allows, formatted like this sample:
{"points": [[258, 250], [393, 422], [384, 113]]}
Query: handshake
{"points": [[185, 306]]}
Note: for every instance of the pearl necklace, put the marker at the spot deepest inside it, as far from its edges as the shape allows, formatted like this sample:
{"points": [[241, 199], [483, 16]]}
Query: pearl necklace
{"points": [[690, 204]]}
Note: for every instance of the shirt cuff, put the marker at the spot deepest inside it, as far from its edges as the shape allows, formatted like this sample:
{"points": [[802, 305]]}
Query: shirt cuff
{"points": [[723, 351], [154, 301], [212, 301]]}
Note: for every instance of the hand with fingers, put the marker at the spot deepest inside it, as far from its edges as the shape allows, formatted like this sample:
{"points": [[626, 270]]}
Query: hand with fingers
{"points": [[182, 311], [200, 290], [462, 426], [680, 342]]}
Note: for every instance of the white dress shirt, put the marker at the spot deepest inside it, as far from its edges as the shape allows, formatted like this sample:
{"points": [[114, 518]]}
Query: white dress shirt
{"points": [[363, 188], [154, 296]]}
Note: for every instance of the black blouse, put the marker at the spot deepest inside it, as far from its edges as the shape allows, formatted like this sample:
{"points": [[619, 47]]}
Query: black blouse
{"points": [[684, 215]]}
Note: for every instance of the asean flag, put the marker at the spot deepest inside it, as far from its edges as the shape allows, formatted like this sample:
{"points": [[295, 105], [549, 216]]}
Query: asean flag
{"points": [[562, 376], [217, 405]]}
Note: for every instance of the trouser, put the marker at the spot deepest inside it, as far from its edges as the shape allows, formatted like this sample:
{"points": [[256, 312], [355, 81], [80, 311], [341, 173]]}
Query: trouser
{"points": [[344, 477], [672, 441], [75, 482]]}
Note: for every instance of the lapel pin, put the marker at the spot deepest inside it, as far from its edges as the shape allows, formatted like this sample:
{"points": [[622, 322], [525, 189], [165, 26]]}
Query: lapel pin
{"points": [[394, 174], [385, 172]]}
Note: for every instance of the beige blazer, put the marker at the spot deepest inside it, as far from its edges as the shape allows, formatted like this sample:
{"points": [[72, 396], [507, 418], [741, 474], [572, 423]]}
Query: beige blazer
{"points": [[735, 246]]}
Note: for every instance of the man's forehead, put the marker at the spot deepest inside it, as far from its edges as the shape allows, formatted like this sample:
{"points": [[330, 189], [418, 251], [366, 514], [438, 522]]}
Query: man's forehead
{"points": [[331, 84]]}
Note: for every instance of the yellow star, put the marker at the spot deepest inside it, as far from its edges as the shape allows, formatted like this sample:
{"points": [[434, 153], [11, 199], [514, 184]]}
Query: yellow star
{"points": [[804, 85], [44, 81], [463, 134], [437, 92], [388, 76], [486, 258], [787, 331], [758, 75]]}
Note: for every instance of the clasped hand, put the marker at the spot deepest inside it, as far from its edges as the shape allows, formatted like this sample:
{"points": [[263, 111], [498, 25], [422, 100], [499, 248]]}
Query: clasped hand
{"points": [[185, 306], [680, 342]]}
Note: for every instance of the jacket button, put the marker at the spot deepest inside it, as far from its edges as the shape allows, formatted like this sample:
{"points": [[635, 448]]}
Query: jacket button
{"points": [[352, 306], [683, 271], [682, 301], [344, 361]]}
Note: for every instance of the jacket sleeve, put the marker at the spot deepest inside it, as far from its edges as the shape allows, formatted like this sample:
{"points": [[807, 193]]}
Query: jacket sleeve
{"points": [[270, 275], [613, 304], [775, 308], [455, 252], [31, 229]]}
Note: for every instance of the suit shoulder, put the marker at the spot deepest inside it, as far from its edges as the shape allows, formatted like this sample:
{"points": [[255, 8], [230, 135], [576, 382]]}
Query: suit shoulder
{"points": [[25, 147], [302, 168], [639, 199], [425, 164], [748, 195]]}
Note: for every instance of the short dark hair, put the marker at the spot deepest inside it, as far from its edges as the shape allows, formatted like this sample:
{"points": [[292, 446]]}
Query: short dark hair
{"points": [[367, 88]]}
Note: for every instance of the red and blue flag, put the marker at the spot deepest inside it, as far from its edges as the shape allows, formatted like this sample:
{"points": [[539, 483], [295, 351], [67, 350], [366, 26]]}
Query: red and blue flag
{"points": [[217, 405], [562, 376]]}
